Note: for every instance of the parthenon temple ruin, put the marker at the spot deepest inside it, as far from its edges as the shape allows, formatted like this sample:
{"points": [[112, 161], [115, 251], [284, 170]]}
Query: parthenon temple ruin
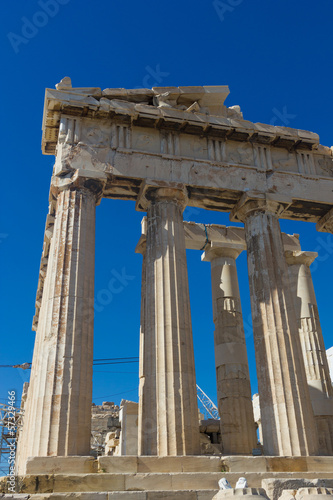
{"points": [[166, 149]]}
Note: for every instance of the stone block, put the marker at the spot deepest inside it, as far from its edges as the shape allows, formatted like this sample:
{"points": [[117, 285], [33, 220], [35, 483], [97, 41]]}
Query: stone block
{"points": [[286, 464], [288, 495], [171, 495], [312, 493], [61, 465], [275, 487], [243, 464], [206, 494], [71, 496], [319, 464], [159, 464], [201, 464], [35, 484], [127, 495], [14, 496], [179, 464], [250, 493], [89, 482], [120, 464], [195, 480], [142, 482]]}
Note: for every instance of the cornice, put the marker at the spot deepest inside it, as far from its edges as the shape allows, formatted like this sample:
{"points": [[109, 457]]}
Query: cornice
{"points": [[190, 110]]}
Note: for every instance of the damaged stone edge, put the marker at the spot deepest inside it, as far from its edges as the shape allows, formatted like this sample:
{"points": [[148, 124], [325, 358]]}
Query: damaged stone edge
{"points": [[164, 108]]}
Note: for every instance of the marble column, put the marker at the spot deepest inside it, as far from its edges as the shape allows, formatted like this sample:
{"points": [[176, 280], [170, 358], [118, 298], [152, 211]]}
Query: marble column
{"points": [[57, 419], [313, 347], [147, 391], [232, 370], [168, 412], [288, 423]]}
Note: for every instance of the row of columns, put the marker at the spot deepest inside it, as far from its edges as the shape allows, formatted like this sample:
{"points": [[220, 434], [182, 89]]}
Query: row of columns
{"points": [[289, 425], [58, 407]]}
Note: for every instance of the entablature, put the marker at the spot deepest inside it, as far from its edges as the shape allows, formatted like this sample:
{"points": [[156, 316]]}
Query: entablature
{"points": [[185, 135], [196, 111]]}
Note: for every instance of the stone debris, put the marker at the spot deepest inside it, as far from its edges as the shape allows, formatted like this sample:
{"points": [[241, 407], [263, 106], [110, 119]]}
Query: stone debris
{"points": [[275, 487], [104, 424], [250, 493], [210, 437]]}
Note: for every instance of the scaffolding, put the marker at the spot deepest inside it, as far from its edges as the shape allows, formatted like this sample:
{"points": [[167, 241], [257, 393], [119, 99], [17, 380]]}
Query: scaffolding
{"points": [[10, 424], [206, 405]]}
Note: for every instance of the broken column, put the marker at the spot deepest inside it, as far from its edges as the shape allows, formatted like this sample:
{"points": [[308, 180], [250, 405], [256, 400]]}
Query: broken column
{"points": [[168, 411], [288, 424], [232, 371], [57, 419], [128, 417], [313, 347]]}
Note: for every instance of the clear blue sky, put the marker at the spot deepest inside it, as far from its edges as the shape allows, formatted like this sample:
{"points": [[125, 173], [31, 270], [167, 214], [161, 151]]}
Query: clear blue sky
{"points": [[276, 58]]}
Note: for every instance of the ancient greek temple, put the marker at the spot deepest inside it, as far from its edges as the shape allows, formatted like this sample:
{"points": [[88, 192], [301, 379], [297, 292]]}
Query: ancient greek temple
{"points": [[169, 148]]}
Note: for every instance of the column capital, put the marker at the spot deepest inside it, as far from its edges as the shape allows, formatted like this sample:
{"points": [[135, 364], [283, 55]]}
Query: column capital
{"points": [[259, 202], [325, 224], [298, 257], [141, 245], [154, 191], [80, 180], [216, 250]]}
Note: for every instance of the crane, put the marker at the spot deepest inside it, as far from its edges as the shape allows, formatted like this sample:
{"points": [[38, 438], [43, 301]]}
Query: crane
{"points": [[210, 408]]}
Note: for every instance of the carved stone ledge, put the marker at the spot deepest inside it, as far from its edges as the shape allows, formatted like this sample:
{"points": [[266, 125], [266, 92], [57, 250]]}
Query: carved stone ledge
{"points": [[193, 110], [299, 257], [216, 250]]}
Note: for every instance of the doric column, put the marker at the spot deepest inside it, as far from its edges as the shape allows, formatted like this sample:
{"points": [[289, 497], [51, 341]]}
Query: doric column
{"points": [[232, 371], [313, 347], [57, 417], [147, 405], [287, 418], [168, 412]]}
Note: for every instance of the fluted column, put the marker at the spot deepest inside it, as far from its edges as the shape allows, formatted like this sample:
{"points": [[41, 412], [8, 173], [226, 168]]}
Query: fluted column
{"points": [[232, 370], [57, 417], [168, 412], [147, 391], [287, 418], [313, 347]]}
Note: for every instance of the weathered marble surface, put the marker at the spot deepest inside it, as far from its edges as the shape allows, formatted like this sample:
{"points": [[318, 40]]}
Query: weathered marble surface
{"points": [[287, 418], [313, 347], [232, 370], [168, 415]]}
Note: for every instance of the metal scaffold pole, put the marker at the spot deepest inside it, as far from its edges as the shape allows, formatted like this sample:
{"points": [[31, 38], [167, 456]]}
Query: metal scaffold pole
{"points": [[210, 409], [9, 428]]}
